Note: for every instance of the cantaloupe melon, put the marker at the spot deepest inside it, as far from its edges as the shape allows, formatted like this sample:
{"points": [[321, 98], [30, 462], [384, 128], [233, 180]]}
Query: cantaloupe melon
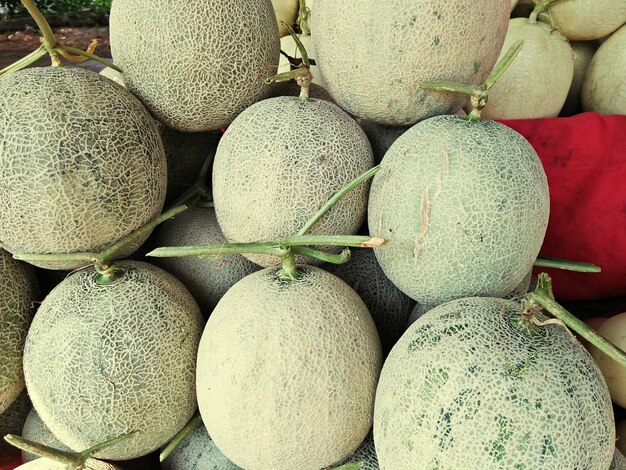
{"points": [[387, 304], [583, 20], [207, 278], [13, 418], [287, 12], [48, 464], [279, 162], [198, 452], [35, 430], [470, 385], [618, 462], [583, 53], [537, 82], [82, 163], [195, 64], [464, 206], [287, 371], [614, 330], [103, 360], [366, 453], [604, 88], [374, 54], [18, 290]]}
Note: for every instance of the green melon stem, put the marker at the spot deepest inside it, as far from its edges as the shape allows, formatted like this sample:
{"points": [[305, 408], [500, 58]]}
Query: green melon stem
{"points": [[289, 271], [567, 265], [108, 274], [478, 93], [336, 197], [332, 258], [303, 52], [190, 427], [88, 55], [49, 40], [542, 296], [350, 466], [279, 248], [540, 7], [24, 61], [303, 18]]}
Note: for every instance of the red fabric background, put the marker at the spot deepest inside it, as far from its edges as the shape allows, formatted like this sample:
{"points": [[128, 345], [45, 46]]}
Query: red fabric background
{"points": [[585, 161]]}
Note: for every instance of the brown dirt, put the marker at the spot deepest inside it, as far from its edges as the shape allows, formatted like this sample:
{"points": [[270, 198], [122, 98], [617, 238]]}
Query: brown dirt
{"points": [[15, 45]]}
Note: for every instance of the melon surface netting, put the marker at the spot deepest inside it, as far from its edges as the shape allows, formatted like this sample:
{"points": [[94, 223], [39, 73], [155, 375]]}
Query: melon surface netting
{"points": [[279, 162], [287, 371], [464, 206], [82, 164], [35, 430], [196, 64], [373, 54], [18, 289], [104, 360], [468, 387]]}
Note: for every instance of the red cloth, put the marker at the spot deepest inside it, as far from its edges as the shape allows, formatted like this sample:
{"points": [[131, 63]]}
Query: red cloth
{"points": [[585, 160]]}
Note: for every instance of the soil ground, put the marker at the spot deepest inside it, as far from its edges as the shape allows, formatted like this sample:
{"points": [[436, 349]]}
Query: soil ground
{"points": [[15, 45]]}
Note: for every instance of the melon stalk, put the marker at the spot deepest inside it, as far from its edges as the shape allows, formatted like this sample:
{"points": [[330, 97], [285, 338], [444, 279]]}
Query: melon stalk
{"points": [[71, 459], [50, 45], [302, 74], [542, 296], [190, 427], [303, 18]]}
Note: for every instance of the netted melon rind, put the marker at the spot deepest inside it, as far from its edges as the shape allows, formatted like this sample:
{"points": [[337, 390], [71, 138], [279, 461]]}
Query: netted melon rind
{"points": [[102, 361], [366, 453], [374, 54], [82, 163], [221, 53], [13, 418], [604, 88], [464, 206], [207, 278], [279, 162], [36, 430], [198, 452], [114, 75], [287, 371], [18, 290], [387, 304], [619, 461], [465, 388]]}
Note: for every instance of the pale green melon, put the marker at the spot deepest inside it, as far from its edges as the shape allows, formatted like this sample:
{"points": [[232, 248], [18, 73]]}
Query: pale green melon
{"points": [[35, 430], [513, 4], [286, 11], [614, 330], [537, 82], [198, 452], [618, 462], [387, 304], [114, 75], [583, 53], [374, 54], [104, 360], [207, 278], [18, 290], [48, 464], [287, 371], [381, 137], [464, 206], [196, 64], [82, 163], [468, 386], [583, 20], [604, 88], [13, 418], [279, 162]]}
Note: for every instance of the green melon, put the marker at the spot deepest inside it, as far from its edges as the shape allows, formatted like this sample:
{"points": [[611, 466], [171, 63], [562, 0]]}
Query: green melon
{"points": [[114, 75], [198, 452], [196, 64], [82, 163], [583, 20], [279, 162], [18, 290], [36, 430], [287, 12], [207, 278], [104, 360], [619, 461], [536, 84], [47, 464], [604, 88], [287, 371], [374, 54], [583, 53], [13, 418], [387, 304], [469, 386], [464, 206]]}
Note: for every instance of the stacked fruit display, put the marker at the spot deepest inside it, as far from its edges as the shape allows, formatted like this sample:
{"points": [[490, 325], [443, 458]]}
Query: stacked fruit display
{"points": [[246, 305]]}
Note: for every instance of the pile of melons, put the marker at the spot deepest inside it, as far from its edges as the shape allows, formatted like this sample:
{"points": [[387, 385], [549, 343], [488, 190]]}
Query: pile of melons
{"points": [[187, 214]]}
